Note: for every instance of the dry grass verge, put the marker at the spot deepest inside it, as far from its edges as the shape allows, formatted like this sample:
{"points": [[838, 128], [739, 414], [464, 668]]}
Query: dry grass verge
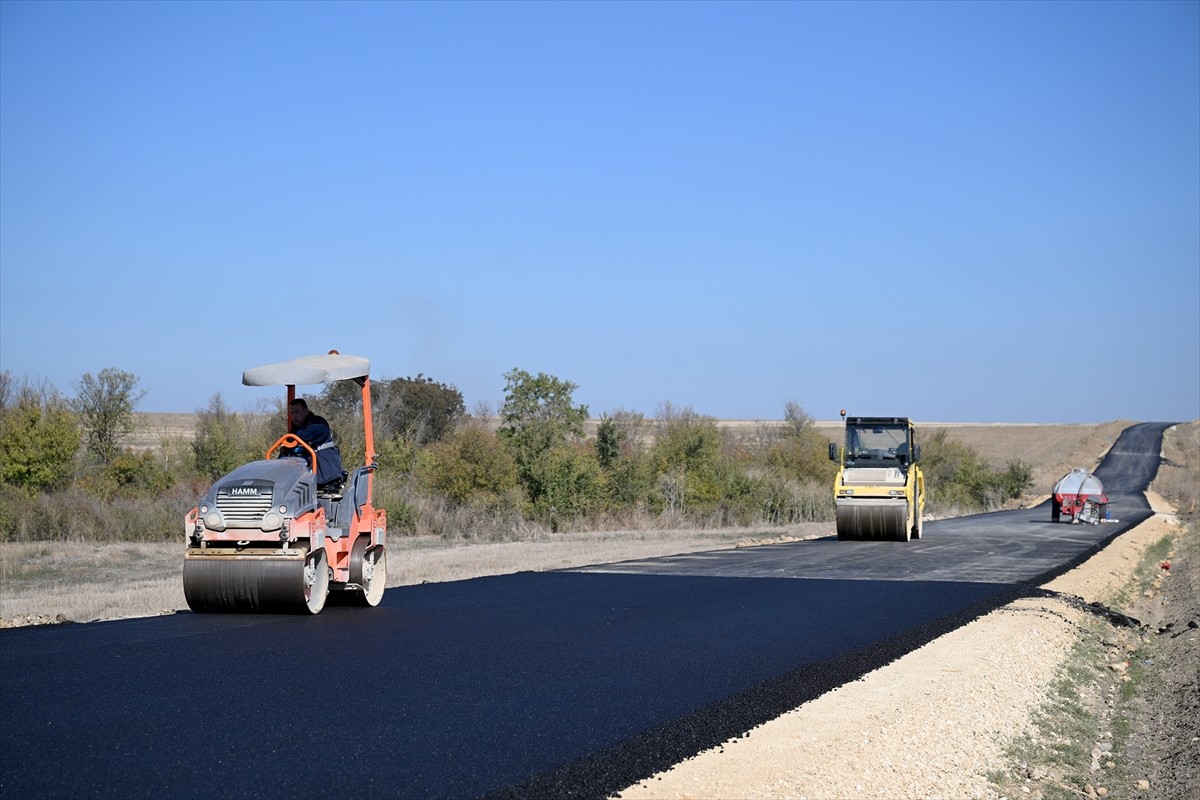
{"points": [[80, 582]]}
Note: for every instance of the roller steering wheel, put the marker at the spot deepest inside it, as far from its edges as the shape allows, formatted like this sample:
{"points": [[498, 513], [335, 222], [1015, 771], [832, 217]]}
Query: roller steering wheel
{"points": [[291, 440]]}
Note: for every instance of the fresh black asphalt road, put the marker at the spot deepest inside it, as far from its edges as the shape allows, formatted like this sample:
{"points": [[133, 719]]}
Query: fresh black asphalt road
{"points": [[570, 683]]}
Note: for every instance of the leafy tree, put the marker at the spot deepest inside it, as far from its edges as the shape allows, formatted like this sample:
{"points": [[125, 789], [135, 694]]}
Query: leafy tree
{"points": [[608, 442], [419, 409], [687, 457], [801, 452], [220, 443], [340, 403], [538, 414], [629, 476], [798, 421], [344, 398], [8, 388], [39, 437], [105, 404], [542, 403]]}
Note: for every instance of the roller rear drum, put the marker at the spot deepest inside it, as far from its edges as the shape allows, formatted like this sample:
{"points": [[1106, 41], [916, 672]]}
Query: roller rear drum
{"points": [[368, 569]]}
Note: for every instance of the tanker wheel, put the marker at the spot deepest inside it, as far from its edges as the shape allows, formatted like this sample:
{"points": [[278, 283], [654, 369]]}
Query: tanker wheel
{"points": [[1055, 510], [368, 568], [316, 581]]}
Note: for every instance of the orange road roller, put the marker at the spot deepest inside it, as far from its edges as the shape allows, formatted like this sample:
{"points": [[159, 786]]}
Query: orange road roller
{"points": [[268, 537]]}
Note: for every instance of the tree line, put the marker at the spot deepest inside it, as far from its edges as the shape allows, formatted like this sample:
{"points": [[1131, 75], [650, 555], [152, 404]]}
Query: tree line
{"points": [[532, 466]]}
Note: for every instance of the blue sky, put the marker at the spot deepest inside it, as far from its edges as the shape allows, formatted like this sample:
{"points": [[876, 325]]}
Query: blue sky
{"points": [[951, 211]]}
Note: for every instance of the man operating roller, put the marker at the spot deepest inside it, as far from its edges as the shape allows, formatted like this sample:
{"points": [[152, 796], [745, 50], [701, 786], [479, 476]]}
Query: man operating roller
{"points": [[316, 433]]}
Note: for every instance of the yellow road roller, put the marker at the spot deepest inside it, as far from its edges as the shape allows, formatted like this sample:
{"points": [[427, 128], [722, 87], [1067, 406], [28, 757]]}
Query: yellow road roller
{"points": [[879, 490], [267, 538]]}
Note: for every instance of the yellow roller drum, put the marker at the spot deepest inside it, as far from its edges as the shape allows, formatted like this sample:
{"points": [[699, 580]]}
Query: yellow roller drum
{"points": [[873, 520]]}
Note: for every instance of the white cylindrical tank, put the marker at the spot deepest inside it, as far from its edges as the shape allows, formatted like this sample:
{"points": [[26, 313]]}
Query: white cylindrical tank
{"points": [[1079, 481]]}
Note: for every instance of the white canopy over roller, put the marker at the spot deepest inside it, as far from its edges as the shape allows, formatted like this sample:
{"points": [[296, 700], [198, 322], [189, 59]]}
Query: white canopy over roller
{"points": [[308, 370]]}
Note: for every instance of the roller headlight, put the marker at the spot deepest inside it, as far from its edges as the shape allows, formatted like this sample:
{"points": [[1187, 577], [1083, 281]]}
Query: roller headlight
{"points": [[272, 521], [214, 521]]}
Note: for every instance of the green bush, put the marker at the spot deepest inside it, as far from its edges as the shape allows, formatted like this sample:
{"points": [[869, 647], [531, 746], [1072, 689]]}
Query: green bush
{"points": [[483, 517], [570, 484], [222, 441], [39, 438], [17, 508], [148, 519], [629, 475], [397, 456], [77, 516], [628, 483], [802, 457], [957, 478], [687, 462], [789, 501], [130, 475], [743, 497], [470, 462], [391, 491]]}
